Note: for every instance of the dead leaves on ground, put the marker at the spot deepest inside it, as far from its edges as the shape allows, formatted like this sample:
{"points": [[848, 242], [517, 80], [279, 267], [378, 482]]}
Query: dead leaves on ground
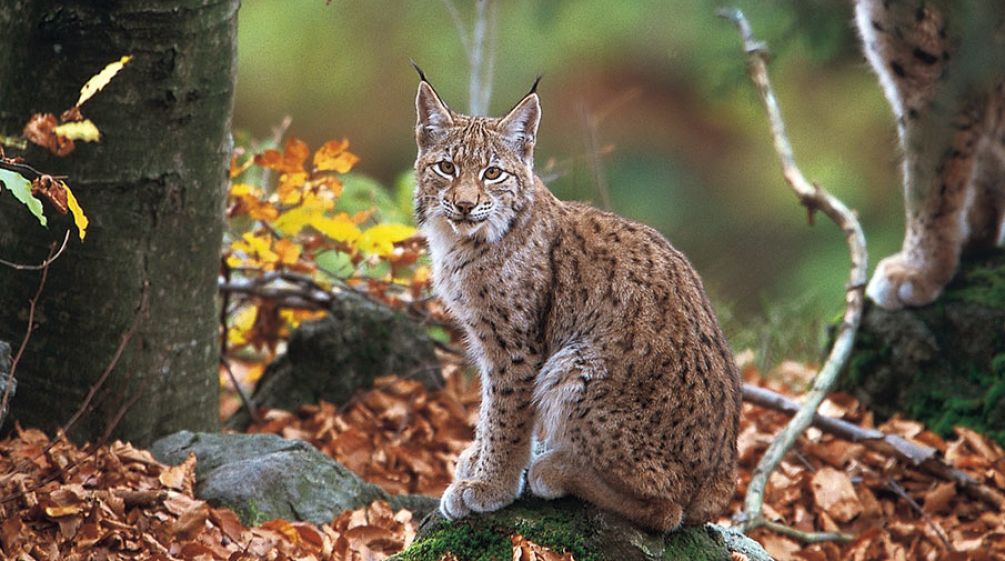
{"points": [[398, 436], [894, 511], [118, 503]]}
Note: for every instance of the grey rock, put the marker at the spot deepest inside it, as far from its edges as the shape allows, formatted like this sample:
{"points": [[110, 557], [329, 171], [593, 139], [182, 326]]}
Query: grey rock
{"points": [[262, 477], [329, 359], [5, 379]]}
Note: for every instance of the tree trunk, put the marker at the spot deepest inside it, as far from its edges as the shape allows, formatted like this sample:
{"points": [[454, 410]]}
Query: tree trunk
{"points": [[153, 189]]}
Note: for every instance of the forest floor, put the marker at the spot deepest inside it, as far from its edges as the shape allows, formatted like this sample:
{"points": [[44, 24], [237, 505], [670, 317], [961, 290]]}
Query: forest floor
{"points": [[60, 501]]}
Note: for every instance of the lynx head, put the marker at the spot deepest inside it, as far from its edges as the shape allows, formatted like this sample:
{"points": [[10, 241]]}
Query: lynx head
{"points": [[474, 174]]}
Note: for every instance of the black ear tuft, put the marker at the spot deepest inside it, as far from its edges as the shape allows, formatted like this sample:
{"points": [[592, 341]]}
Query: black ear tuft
{"points": [[422, 75], [533, 88]]}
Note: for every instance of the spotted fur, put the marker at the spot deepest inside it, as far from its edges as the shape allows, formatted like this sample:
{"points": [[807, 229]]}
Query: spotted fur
{"points": [[590, 331], [942, 67]]}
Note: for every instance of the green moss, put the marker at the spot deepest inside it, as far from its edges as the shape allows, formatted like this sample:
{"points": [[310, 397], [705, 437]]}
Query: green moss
{"points": [[562, 534], [982, 284], [695, 544], [466, 542]]}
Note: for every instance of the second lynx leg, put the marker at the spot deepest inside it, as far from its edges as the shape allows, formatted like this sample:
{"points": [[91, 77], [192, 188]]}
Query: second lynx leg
{"points": [[560, 472]]}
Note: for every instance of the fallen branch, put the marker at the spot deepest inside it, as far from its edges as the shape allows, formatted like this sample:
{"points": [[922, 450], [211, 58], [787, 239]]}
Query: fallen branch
{"points": [[813, 198], [922, 457]]}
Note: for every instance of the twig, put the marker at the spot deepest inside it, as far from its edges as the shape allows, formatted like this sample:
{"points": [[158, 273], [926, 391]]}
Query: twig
{"points": [[32, 304], [245, 400], [813, 198], [919, 456], [805, 537], [900, 492], [141, 312], [48, 261]]}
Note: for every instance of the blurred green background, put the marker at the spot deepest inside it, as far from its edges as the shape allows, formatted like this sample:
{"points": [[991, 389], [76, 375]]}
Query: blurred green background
{"points": [[663, 84]]}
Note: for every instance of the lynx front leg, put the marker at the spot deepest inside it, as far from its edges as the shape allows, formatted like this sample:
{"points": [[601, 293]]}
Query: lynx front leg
{"points": [[489, 473], [938, 195], [906, 45]]}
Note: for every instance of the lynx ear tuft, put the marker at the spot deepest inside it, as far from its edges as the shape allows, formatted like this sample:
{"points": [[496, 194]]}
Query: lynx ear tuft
{"points": [[432, 116], [519, 126]]}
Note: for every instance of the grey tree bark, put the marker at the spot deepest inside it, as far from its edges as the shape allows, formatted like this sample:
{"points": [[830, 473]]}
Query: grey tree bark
{"points": [[153, 188]]}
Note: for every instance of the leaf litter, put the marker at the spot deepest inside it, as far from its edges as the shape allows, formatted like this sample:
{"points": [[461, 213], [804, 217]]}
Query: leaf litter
{"points": [[118, 502]]}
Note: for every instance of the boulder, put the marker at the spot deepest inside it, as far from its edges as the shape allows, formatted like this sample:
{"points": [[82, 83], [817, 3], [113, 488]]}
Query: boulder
{"points": [[5, 364], [263, 477], [570, 525], [943, 364], [329, 359]]}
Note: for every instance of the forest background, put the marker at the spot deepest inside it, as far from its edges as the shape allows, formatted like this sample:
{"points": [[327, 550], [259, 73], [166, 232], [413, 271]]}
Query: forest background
{"points": [[647, 110]]}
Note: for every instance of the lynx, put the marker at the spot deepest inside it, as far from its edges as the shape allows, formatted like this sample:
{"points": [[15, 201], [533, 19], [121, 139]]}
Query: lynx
{"points": [[947, 90], [591, 333]]}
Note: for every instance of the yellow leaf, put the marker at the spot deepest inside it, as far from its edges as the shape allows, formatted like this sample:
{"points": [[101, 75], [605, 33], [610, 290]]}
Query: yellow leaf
{"points": [[294, 318], [78, 213], [380, 239], [340, 228], [79, 130], [59, 511], [101, 79], [335, 156], [241, 325], [253, 251]]}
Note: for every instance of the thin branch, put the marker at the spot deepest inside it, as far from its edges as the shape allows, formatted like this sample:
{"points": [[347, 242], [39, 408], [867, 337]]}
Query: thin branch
{"points": [[48, 261], [919, 456], [805, 537], [462, 32], [476, 57], [32, 304], [141, 313], [813, 198], [245, 400], [900, 492]]}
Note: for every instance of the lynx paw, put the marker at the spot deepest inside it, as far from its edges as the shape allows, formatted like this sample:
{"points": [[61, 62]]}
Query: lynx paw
{"points": [[545, 476], [898, 282], [465, 496]]}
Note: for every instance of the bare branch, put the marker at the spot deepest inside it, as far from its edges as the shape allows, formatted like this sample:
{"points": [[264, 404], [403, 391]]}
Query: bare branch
{"points": [[32, 304], [813, 198], [462, 32], [44, 264], [922, 457]]}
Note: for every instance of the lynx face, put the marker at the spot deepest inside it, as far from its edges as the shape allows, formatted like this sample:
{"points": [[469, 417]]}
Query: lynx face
{"points": [[475, 175]]}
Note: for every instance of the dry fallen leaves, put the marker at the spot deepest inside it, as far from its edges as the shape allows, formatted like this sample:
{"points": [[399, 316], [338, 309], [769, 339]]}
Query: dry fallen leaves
{"points": [[117, 502]]}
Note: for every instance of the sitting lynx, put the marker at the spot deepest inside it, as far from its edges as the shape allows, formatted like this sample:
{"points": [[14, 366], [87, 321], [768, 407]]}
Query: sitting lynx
{"points": [[590, 331], [942, 67]]}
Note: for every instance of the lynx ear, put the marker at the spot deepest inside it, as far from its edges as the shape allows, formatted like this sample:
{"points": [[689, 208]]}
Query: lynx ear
{"points": [[519, 126], [432, 116]]}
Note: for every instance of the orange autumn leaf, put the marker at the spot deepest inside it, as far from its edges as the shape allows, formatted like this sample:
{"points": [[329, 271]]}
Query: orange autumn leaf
{"points": [[334, 155], [290, 160]]}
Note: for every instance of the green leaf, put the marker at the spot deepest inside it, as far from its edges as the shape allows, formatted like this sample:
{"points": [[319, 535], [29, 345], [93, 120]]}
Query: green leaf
{"points": [[335, 263], [21, 189]]}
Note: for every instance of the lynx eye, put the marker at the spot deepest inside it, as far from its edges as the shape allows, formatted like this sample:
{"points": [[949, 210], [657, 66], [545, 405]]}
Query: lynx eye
{"points": [[492, 173], [445, 168]]}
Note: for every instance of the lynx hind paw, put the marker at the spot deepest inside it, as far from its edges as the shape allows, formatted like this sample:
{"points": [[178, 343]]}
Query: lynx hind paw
{"points": [[898, 283], [466, 496], [545, 477]]}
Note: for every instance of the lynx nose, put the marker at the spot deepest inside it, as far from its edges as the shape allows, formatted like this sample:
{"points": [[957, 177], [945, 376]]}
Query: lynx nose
{"points": [[464, 207]]}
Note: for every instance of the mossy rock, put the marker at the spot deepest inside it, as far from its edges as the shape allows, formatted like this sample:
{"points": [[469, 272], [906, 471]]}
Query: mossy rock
{"points": [[262, 477], [569, 525], [943, 364], [357, 341]]}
